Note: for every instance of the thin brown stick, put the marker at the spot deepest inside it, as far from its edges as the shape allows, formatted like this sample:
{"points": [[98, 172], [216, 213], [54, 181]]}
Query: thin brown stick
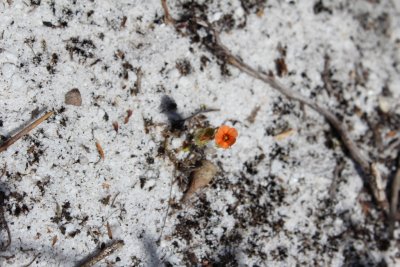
{"points": [[168, 19], [24, 131], [7, 257], [326, 76], [30, 263], [113, 200], [371, 177], [98, 256], [200, 112]]}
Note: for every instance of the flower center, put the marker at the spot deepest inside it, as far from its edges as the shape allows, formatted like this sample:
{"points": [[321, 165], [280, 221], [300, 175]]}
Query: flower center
{"points": [[226, 137]]}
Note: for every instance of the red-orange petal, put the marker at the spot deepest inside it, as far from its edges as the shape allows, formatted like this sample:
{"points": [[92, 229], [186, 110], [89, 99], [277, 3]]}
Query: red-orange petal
{"points": [[233, 132]]}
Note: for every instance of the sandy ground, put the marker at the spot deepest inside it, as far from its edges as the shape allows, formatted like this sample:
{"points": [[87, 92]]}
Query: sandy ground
{"points": [[276, 199]]}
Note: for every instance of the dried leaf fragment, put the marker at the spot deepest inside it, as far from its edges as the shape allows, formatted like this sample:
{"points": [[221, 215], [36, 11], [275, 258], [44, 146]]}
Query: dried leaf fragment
{"points": [[54, 240], [100, 150], [260, 13], [105, 185], [281, 67], [129, 113], [37, 236], [284, 135], [203, 136], [73, 97], [115, 126], [201, 178], [92, 259], [391, 134]]}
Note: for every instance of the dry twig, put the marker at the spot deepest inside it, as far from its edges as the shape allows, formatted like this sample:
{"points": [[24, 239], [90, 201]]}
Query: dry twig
{"points": [[394, 199], [30, 263], [98, 256], [113, 200], [7, 257], [371, 177], [201, 111], [24, 131]]}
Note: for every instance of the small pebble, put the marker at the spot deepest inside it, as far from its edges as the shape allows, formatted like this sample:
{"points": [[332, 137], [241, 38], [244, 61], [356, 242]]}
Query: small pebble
{"points": [[384, 104], [73, 97]]}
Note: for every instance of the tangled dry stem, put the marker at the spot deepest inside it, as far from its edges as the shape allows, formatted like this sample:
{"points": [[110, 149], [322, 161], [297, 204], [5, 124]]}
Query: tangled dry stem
{"points": [[371, 175]]}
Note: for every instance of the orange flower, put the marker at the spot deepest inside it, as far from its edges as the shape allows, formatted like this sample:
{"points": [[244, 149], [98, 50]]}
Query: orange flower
{"points": [[225, 136]]}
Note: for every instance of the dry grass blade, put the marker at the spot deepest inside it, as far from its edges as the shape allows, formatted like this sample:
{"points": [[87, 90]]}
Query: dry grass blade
{"points": [[98, 256], [30, 263], [394, 199], [24, 131], [285, 134]]}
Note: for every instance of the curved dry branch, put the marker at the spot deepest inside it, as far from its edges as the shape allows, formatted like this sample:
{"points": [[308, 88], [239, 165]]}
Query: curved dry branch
{"points": [[371, 176]]}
